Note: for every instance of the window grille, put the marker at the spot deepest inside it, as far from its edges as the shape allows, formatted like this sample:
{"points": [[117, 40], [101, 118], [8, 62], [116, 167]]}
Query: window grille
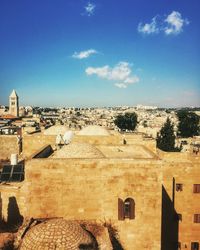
{"points": [[196, 188], [196, 218]]}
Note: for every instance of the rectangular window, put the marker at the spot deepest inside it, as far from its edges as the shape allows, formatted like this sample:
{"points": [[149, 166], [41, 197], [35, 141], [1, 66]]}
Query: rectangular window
{"points": [[196, 218], [179, 187], [196, 188], [195, 246]]}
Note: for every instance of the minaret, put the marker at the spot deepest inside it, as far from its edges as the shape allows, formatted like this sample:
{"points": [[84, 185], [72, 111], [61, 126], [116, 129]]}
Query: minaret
{"points": [[14, 104]]}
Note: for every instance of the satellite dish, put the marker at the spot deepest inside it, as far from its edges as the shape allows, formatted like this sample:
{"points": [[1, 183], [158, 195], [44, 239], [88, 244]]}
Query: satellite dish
{"points": [[68, 137]]}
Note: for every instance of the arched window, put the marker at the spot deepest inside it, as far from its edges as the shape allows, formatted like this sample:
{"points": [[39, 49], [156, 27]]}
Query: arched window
{"points": [[126, 209]]}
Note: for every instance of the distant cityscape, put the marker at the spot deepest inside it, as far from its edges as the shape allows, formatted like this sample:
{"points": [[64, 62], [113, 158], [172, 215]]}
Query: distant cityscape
{"points": [[104, 176], [35, 119]]}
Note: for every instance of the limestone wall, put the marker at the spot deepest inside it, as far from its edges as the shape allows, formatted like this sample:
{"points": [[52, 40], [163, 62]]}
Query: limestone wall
{"points": [[31, 143], [89, 190], [8, 146], [186, 202]]}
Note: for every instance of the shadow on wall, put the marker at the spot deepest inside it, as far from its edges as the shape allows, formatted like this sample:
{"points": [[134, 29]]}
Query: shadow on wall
{"points": [[15, 219], [169, 222], [0, 208], [114, 236], [92, 246]]}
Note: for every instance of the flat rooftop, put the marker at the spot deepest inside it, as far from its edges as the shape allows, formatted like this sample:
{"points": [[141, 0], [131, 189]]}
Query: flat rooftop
{"points": [[126, 151]]}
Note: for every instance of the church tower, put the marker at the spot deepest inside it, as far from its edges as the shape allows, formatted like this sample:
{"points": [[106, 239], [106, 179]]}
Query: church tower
{"points": [[14, 104]]}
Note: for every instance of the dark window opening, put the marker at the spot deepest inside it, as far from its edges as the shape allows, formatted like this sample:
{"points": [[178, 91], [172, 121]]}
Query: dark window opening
{"points": [[179, 187], [126, 209], [196, 188], [196, 218], [195, 246]]}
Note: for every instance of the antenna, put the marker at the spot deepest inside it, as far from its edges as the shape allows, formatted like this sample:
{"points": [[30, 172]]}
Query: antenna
{"points": [[59, 139]]}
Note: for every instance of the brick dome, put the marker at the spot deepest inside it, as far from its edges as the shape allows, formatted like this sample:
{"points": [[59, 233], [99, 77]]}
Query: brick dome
{"points": [[57, 234], [78, 150]]}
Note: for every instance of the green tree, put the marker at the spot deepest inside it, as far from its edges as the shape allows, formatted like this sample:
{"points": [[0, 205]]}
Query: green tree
{"points": [[127, 121], [188, 123], [166, 138]]}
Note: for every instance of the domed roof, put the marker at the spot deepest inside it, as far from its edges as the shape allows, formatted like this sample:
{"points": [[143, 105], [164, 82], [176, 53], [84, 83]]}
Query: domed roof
{"points": [[57, 234], [94, 130], [56, 130], [78, 150]]}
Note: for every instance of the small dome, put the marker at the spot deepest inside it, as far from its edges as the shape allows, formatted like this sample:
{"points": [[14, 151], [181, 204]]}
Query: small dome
{"points": [[78, 150], [94, 130], [57, 234]]}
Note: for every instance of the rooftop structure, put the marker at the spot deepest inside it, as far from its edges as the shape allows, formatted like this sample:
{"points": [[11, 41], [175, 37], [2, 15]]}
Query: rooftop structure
{"points": [[150, 197], [94, 130], [58, 234], [78, 150], [14, 104]]}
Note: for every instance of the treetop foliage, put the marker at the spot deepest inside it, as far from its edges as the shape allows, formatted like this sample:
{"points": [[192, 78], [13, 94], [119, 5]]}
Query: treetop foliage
{"points": [[166, 137], [128, 121], [188, 123]]}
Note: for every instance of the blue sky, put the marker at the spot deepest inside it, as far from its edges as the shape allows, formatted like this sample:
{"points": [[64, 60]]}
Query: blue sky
{"points": [[100, 52]]}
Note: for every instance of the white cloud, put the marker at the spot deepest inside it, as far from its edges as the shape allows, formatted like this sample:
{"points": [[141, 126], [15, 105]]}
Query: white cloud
{"points": [[101, 72], [172, 24], [175, 23], [122, 73], [84, 54], [149, 28], [90, 8], [121, 85]]}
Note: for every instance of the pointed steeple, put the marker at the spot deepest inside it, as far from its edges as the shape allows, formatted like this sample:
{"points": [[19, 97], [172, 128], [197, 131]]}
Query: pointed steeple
{"points": [[13, 94], [14, 104]]}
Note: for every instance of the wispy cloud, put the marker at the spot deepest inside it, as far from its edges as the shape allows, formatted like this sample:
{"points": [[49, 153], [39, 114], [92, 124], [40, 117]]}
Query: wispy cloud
{"points": [[149, 28], [171, 25], [89, 9], [84, 54], [120, 73], [175, 23]]}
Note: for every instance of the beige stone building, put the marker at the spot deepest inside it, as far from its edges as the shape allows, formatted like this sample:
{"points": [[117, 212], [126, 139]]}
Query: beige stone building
{"points": [[14, 104], [150, 198]]}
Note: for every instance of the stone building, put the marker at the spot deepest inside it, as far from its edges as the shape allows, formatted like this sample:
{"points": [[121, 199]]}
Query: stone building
{"points": [[150, 198], [14, 104]]}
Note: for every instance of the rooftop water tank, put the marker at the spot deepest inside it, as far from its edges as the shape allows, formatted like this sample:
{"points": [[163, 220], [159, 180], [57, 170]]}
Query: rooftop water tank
{"points": [[14, 159]]}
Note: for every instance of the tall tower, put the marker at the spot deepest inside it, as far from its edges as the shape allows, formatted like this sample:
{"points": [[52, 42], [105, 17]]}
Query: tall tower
{"points": [[14, 104]]}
